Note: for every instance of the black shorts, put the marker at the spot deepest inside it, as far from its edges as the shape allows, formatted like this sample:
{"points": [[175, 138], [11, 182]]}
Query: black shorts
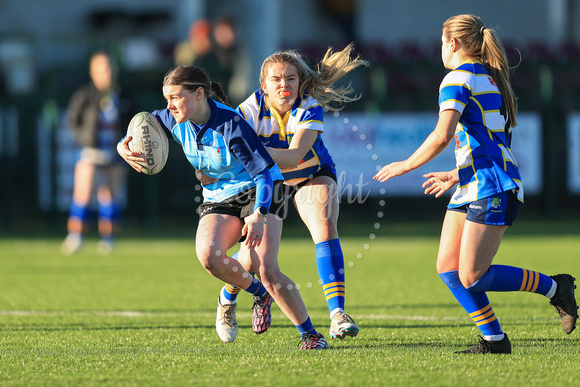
{"points": [[243, 204], [326, 170]]}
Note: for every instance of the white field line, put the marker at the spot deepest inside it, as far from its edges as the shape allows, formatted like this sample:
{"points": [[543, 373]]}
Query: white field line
{"points": [[240, 315], [133, 313]]}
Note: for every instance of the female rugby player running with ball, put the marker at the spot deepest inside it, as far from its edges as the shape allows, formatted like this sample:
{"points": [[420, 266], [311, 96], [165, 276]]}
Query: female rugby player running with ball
{"points": [[219, 142]]}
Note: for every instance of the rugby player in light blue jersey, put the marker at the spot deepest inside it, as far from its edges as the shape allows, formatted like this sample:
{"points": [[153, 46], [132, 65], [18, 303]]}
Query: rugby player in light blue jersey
{"points": [[287, 112], [477, 111], [241, 202]]}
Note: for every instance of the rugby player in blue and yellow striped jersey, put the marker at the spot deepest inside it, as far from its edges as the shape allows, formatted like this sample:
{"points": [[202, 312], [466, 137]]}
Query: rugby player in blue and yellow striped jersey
{"points": [[477, 111], [287, 112]]}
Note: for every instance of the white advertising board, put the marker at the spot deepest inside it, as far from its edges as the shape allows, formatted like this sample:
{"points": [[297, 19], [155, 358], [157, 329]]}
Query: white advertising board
{"points": [[361, 144]]}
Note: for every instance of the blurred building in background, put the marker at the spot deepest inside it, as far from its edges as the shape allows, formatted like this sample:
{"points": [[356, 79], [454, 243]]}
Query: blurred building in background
{"points": [[44, 48]]}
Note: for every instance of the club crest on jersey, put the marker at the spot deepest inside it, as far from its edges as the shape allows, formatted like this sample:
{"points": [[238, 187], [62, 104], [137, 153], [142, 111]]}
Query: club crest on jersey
{"points": [[492, 81]]}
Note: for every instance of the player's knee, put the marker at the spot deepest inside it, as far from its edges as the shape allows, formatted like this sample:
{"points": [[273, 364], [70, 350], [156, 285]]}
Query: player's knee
{"points": [[443, 266], [211, 259], [468, 278], [446, 261], [324, 230], [270, 276], [206, 262]]}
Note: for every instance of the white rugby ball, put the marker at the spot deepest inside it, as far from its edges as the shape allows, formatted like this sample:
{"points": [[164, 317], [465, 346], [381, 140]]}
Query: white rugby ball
{"points": [[148, 138]]}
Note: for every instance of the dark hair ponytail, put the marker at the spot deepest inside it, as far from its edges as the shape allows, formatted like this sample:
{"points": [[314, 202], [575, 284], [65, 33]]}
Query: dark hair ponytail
{"points": [[191, 78], [216, 88]]}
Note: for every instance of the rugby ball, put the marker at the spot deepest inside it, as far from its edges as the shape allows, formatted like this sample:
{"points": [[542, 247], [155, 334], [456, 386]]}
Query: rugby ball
{"points": [[148, 138]]}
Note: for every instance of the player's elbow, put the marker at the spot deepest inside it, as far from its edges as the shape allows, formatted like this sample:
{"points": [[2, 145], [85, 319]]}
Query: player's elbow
{"points": [[443, 138]]}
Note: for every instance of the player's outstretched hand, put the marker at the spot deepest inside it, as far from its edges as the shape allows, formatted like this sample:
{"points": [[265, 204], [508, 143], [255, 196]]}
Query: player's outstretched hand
{"points": [[439, 182], [393, 169], [132, 158]]}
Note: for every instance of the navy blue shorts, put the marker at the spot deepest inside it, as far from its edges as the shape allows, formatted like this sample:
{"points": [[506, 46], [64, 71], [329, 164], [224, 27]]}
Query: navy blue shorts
{"points": [[326, 170], [498, 210]]}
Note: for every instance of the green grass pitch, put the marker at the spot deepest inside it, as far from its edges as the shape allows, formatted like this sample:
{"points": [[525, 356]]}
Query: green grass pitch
{"points": [[145, 315]]}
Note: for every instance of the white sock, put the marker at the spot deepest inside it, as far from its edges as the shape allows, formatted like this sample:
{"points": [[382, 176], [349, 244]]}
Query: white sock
{"points": [[494, 337], [223, 299], [552, 291], [335, 311]]}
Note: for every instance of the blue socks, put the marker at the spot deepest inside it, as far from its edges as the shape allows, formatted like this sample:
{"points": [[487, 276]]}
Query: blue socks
{"points": [[78, 216], [306, 327], [229, 293], [476, 305], [500, 278], [108, 215], [330, 264], [256, 288]]}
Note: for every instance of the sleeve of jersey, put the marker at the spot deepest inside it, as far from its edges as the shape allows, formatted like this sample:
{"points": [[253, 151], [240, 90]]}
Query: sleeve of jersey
{"points": [[264, 189], [241, 110], [247, 147], [454, 92], [248, 111], [166, 120], [313, 119]]}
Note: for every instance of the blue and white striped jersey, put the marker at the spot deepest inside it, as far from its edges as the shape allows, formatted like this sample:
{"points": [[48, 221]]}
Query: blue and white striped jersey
{"points": [[277, 132], [225, 147], [482, 142]]}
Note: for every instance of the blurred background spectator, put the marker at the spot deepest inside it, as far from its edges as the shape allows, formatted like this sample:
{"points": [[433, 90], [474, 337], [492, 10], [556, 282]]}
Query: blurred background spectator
{"points": [[211, 47], [197, 49], [97, 122]]}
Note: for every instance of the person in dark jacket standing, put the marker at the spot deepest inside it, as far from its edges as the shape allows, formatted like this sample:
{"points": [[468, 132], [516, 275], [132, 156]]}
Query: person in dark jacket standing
{"points": [[94, 118]]}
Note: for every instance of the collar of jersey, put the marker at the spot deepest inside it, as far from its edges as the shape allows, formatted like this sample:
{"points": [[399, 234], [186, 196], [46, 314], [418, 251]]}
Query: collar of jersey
{"points": [[201, 129], [472, 61], [283, 121]]}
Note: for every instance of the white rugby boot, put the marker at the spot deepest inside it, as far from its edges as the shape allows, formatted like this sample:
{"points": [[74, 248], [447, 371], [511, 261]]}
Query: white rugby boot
{"points": [[226, 324]]}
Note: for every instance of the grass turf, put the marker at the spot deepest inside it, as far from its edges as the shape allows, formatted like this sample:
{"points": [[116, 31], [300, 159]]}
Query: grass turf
{"points": [[145, 315]]}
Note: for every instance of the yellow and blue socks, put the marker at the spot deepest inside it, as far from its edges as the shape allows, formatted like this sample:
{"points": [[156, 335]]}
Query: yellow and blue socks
{"points": [[501, 278], [108, 216], [330, 265], [229, 293], [498, 278], [78, 217], [476, 304]]}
